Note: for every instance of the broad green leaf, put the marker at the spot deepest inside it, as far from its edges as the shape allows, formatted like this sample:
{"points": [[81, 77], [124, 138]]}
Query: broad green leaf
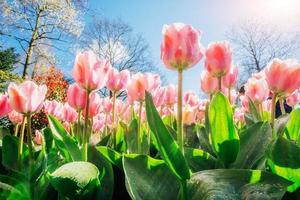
{"points": [[285, 153], [75, 179], [131, 136], [12, 188], [253, 111], [167, 146], [66, 144], [104, 141], [149, 179], [113, 156], [120, 140], [48, 139], [225, 140], [106, 175], [3, 132], [199, 160], [190, 134], [236, 184], [293, 126], [203, 137], [254, 142], [10, 152]]}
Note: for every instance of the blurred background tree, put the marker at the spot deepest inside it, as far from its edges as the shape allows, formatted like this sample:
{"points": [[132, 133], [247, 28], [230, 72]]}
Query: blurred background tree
{"points": [[256, 43]]}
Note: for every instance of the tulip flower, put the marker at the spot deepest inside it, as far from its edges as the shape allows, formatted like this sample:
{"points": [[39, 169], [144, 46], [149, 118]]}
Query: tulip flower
{"points": [[209, 84], [191, 99], [117, 81], [229, 80], [95, 105], [282, 77], [189, 114], [26, 98], [38, 138], [293, 99], [180, 50], [239, 115], [136, 87], [257, 89], [54, 108], [170, 96], [218, 60], [69, 114], [5, 107], [180, 47], [15, 117], [76, 97], [89, 71], [158, 96]]}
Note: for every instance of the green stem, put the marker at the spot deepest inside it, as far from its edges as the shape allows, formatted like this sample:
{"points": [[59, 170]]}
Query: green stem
{"points": [[281, 103], [29, 136], [273, 109], [220, 83], [113, 120], [183, 190], [78, 135], [20, 149], [86, 123], [180, 139], [139, 128], [16, 130]]}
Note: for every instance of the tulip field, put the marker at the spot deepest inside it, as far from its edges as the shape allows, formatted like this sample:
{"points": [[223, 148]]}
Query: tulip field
{"points": [[156, 142]]}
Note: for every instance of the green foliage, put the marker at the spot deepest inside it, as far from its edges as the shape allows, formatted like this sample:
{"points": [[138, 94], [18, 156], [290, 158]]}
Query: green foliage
{"points": [[8, 58], [225, 139]]}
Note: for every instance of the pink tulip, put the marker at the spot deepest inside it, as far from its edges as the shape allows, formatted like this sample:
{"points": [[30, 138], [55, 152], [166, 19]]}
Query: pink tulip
{"points": [[267, 105], [188, 115], [180, 47], [54, 108], [99, 122], [137, 87], [26, 97], [107, 105], [76, 97], [283, 76], [67, 126], [95, 103], [191, 99], [209, 84], [230, 78], [69, 114], [218, 58], [170, 96], [257, 89], [89, 71], [158, 96], [245, 102], [117, 81], [4, 105], [38, 138], [200, 113], [15, 117], [153, 81], [239, 115], [233, 95], [293, 99]]}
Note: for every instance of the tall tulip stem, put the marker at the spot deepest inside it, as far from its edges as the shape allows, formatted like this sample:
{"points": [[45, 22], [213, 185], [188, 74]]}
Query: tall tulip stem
{"points": [[179, 112], [21, 139], [16, 129], [220, 83], [29, 141], [86, 123], [113, 119], [78, 135], [139, 141], [273, 109], [281, 103]]}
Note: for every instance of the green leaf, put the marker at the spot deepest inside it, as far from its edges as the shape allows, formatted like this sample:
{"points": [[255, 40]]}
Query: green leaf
{"points": [[3, 132], [284, 161], [120, 140], [13, 188], [199, 160], [167, 146], [236, 184], [203, 137], [75, 179], [106, 175], [113, 156], [254, 142], [293, 126], [225, 140], [104, 141], [253, 111], [285, 153], [48, 139], [190, 134], [131, 135], [65, 143], [280, 124], [10, 152], [149, 179]]}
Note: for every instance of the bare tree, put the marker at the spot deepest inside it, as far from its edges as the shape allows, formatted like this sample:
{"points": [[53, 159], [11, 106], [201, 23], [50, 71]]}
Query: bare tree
{"points": [[37, 25], [115, 41], [256, 43]]}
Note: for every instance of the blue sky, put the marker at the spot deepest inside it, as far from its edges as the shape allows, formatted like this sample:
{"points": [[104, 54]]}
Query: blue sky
{"points": [[214, 18]]}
